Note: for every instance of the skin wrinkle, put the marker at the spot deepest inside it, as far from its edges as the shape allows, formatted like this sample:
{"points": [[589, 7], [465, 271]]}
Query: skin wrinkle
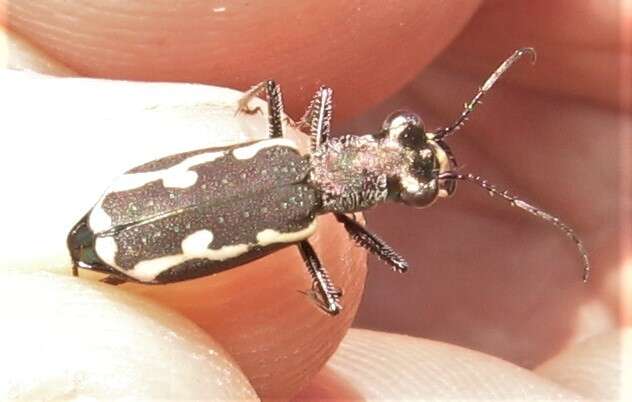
{"points": [[18, 54], [146, 54], [78, 39]]}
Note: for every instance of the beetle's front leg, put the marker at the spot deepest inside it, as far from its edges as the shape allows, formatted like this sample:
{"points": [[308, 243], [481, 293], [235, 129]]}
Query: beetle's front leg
{"points": [[327, 297], [318, 116], [372, 243], [275, 105]]}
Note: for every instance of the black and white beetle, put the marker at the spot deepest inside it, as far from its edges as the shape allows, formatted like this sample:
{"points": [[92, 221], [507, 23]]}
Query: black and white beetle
{"points": [[201, 212]]}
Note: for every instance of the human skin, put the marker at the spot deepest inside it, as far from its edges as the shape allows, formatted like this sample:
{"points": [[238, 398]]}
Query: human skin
{"points": [[540, 307]]}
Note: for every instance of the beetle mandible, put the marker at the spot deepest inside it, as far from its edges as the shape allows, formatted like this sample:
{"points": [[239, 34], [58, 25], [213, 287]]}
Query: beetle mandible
{"points": [[201, 212]]}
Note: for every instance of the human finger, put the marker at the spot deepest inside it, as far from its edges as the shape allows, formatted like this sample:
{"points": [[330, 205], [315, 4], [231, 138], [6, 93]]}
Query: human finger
{"points": [[301, 44], [18, 54], [381, 366], [597, 367], [71, 136], [64, 339]]}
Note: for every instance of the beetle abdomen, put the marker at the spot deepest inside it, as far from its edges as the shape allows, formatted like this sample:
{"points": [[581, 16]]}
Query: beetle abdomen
{"points": [[201, 212]]}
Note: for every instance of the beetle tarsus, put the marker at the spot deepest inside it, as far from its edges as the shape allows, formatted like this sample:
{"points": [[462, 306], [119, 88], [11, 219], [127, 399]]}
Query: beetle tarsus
{"points": [[323, 292], [372, 243], [245, 109], [113, 280], [489, 83], [243, 102], [275, 105]]}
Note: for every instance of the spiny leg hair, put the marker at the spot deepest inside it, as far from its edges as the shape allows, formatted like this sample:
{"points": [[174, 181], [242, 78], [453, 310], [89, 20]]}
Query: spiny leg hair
{"points": [[318, 116], [373, 243], [275, 105], [326, 296]]}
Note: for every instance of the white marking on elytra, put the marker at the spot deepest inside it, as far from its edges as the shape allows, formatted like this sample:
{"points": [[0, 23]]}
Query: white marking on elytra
{"points": [[148, 270], [177, 176], [250, 150], [99, 220], [106, 249], [271, 236], [196, 245]]}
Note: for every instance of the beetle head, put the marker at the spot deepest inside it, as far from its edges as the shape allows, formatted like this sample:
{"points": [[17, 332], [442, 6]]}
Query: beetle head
{"points": [[425, 157]]}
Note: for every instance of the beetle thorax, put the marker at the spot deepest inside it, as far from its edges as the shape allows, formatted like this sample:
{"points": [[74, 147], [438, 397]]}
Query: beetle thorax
{"points": [[352, 172]]}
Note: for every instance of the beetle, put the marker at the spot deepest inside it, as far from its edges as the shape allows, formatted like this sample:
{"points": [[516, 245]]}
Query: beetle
{"points": [[202, 212]]}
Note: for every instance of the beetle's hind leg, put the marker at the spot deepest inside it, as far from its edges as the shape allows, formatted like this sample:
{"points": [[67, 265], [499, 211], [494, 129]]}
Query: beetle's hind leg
{"points": [[373, 243], [111, 279], [275, 105], [318, 116], [327, 297]]}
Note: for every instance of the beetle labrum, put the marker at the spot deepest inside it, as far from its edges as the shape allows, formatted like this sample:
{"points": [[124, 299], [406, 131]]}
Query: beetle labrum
{"points": [[201, 212]]}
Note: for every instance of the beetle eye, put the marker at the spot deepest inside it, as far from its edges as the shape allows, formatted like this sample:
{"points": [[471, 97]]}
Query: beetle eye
{"points": [[405, 128], [418, 194], [418, 186]]}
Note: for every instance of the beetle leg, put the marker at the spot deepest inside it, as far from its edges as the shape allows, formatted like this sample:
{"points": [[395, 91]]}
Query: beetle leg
{"points": [[113, 280], [318, 116], [275, 105], [327, 297], [471, 105], [373, 243]]}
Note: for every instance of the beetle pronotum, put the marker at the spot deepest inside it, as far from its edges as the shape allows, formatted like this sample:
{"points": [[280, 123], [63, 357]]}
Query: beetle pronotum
{"points": [[201, 212]]}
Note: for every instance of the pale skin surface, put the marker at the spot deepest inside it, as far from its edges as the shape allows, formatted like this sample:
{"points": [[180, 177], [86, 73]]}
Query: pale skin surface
{"points": [[505, 284]]}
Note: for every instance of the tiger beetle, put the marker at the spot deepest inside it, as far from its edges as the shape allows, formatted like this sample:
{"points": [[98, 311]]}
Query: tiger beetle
{"points": [[202, 212]]}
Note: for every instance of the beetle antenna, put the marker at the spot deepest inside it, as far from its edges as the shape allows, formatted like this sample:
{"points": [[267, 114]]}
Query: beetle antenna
{"points": [[517, 202], [471, 105]]}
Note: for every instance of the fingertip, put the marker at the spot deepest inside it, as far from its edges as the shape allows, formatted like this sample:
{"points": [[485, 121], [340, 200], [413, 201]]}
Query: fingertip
{"points": [[17, 54], [596, 367], [381, 366], [64, 338], [256, 312], [260, 314], [301, 44]]}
